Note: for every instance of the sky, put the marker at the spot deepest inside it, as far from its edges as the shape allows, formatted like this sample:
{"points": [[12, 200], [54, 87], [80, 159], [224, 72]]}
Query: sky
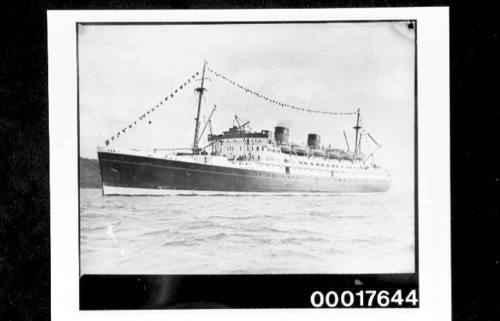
{"points": [[125, 70]]}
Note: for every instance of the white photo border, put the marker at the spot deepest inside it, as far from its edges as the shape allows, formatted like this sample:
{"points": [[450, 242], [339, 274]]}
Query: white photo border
{"points": [[433, 158]]}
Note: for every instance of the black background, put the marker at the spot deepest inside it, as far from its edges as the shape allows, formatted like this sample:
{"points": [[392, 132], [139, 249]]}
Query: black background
{"points": [[24, 167], [125, 292]]}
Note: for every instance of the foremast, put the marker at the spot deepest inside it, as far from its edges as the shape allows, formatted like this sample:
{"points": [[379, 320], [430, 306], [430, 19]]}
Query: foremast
{"points": [[200, 91]]}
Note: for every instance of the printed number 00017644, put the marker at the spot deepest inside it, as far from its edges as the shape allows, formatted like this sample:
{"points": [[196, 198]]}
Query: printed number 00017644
{"points": [[365, 298]]}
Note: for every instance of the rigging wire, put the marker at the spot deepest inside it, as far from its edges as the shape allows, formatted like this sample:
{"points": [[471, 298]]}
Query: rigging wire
{"points": [[234, 101], [147, 113], [276, 102]]}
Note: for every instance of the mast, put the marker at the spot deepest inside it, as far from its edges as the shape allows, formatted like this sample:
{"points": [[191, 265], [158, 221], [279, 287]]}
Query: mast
{"points": [[200, 90], [357, 128]]}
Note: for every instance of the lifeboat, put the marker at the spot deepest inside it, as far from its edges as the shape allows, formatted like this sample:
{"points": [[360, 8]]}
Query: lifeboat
{"points": [[318, 152], [335, 154], [300, 150], [285, 149]]}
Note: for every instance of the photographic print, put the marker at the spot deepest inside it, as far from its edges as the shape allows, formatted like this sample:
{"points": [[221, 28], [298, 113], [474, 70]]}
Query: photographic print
{"points": [[247, 148], [226, 161]]}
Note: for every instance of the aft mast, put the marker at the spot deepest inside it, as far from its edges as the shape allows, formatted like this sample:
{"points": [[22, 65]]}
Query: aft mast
{"points": [[200, 90], [357, 128]]}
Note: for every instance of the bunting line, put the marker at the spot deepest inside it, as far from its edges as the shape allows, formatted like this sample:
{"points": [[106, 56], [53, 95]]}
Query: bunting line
{"points": [[277, 102], [151, 110]]}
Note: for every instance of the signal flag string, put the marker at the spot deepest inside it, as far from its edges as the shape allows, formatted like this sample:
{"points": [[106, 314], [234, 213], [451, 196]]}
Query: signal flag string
{"points": [[279, 103], [151, 110]]}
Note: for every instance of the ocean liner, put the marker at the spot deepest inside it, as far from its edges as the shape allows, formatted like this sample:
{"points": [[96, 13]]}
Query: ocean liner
{"points": [[243, 160]]}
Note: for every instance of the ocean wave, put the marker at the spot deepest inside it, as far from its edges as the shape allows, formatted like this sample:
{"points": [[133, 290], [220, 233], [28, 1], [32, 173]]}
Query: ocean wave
{"points": [[200, 225], [300, 240], [335, 251], [377, 239], [317, 213], [217, 236], [156, 232], [245, 233], [185, 193], [347, 216], [93, 229], [247, 217], [302, 254], [180, 243], [263, 229]]}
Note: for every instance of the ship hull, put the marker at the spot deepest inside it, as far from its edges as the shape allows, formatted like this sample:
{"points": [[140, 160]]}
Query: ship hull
{"points": [[124, 174]]}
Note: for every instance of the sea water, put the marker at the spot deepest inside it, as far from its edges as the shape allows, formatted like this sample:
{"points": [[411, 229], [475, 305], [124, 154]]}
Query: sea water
{"points": [[196, 233]]}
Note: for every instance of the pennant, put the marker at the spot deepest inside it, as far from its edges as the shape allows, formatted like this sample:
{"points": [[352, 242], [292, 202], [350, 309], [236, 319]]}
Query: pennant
{"points": [[279, 103]]}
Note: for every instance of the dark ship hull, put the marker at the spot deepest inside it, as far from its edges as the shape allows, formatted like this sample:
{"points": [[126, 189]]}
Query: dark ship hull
{"points": [[124, 174]]}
